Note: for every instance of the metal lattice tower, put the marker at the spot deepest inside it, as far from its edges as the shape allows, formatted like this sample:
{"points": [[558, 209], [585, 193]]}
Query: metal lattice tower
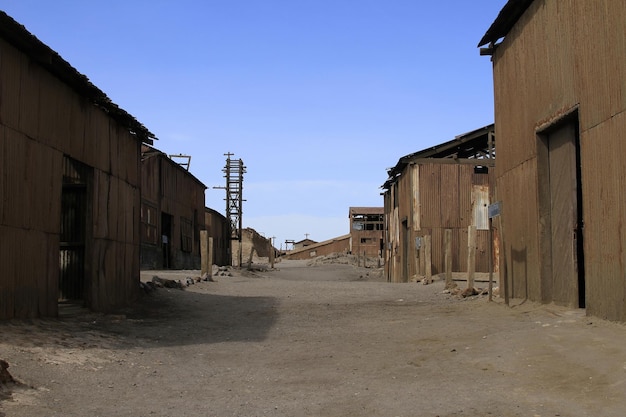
{"points": [[234, 171]]}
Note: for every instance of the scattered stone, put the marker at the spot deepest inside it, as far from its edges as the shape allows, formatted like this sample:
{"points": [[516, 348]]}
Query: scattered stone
{"points": [[148, 287], [5, 376], [468, 292], [167, 283], [427, 281], [207, 277]]}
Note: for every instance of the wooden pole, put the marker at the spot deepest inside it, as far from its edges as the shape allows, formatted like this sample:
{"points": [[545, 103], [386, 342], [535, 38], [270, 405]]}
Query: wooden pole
{"points": [[447, 239], [204, 252], [421, 269], [210, 258], [471, 255], [250, 258], [504, 283], [490, 259], [427, 258]]}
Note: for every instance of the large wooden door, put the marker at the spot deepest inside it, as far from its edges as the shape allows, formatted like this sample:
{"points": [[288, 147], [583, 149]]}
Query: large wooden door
{"points": [[565, 216]]}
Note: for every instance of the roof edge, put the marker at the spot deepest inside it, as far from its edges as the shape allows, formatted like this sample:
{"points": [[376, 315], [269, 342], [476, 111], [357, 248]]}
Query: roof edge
{"points": [[18, 36], [508, 16]]}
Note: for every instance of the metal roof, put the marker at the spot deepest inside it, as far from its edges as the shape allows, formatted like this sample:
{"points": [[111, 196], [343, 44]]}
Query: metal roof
{"points": [[508, 16], [470, 145], [367, 210], [43, 55]]}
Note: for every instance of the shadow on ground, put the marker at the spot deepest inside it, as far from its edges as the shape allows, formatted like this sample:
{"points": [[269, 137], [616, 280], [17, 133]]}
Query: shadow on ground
{"points": [[163, 317]]}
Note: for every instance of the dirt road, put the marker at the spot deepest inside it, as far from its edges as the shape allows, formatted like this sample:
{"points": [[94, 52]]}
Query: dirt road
{"points": [[327, 340]]}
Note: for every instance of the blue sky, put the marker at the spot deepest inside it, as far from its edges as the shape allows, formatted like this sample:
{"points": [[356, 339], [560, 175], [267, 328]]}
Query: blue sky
{"points": [[317, 97]]}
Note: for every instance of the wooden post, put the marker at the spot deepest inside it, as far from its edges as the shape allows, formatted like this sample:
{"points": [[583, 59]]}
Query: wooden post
{"points": [[490, 259], [421, 269], [210, 258], [364, 260], [250, 258], [271, 254], [447, 241], [504, 283], [205, 266], [471, 255], [427, 258]]}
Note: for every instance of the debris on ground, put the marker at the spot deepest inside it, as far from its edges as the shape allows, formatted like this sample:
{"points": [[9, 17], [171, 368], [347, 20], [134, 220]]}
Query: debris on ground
{"points": [[5, 376]]}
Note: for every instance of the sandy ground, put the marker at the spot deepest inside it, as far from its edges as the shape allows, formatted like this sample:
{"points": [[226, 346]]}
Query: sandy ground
{"points": [[324, 340]]}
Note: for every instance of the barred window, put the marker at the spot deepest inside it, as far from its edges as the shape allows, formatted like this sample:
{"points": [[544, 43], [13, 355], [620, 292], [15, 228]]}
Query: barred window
{"points": [[186, 235]]}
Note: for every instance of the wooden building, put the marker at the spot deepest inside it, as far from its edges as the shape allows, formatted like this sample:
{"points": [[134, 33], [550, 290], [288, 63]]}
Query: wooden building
{"points": [[303, 243], [339, 244], [69, 185], [172, 213], [443, 187], [560, 108], [367, 230], [218, 228]]}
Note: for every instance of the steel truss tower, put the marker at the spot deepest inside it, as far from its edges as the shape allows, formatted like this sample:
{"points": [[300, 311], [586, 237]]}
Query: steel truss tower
{"points": [[233, 172]]}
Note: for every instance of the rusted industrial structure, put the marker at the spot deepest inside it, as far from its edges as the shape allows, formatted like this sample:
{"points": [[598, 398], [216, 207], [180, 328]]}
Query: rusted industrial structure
{"points": [[367, 231], [560, 109], [218, 228], [172, 213], [69, 185], [443, 187]]}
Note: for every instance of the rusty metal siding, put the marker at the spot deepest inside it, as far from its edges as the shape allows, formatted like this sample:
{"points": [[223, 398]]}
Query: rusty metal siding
{"points": [[555, 59], [174, 191], [603, 172], [218, 228], [449, 196], [439, 193], [430, 195], [42, 120]]}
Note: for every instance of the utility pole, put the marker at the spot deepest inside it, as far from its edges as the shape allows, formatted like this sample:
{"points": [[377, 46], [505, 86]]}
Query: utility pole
{"points": [[233, 172]]}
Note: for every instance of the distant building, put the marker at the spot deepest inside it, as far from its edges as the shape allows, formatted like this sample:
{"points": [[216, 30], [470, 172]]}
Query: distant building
{"points": [[172, 213], [303, 243], [218, 228], [367, 230], [339, 244]]}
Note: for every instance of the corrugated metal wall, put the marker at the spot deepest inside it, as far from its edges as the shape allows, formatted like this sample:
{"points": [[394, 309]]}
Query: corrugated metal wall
{"points": [[564, 55], [41, 120], [174, 191], [432, 197]]}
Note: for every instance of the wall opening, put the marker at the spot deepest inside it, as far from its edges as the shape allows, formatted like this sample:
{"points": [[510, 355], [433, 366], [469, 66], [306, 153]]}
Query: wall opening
{"points": [[75, 213]]}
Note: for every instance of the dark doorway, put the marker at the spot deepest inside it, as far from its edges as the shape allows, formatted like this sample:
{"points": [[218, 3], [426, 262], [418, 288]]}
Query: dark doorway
{"points": [[74, 231], [166, 239]]}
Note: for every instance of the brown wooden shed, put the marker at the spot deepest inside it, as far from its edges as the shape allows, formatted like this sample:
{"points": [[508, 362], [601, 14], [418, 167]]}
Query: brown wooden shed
{"points": [[69, 185], [560, 109], [172, 213], [443, 187]]}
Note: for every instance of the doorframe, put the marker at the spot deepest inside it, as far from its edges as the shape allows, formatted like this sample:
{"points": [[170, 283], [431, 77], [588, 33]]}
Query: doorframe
{"points": [[542, 132]]}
